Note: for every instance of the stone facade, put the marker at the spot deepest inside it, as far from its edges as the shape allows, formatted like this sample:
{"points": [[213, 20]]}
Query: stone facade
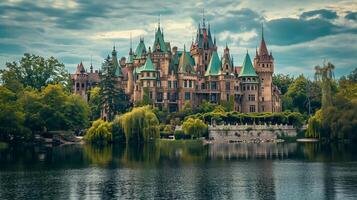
{"points": [[171, 77]]}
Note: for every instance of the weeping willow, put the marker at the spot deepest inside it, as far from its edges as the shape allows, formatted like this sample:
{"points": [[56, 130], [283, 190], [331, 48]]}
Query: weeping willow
{"points": [[314, 125], [139, 125], [99, 132]]}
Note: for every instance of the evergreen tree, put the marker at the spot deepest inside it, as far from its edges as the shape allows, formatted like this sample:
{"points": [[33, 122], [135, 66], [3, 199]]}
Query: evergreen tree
{"points": [[112, 98]]}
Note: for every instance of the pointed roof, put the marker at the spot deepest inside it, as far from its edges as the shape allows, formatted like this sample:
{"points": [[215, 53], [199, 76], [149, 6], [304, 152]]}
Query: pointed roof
{"points": [[140, 49], [247, 68], [159, 40], [214, 66], [185, 64], [116, 65], [148, 66], [80, 68], [263, 47]]}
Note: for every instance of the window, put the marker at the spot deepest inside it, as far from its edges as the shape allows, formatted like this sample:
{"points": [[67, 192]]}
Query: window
{"points": [[187, 96], [185, 83], [206, 56], [159, 96], [150, 95], [227, 97], [203, 86], [228, 86], [262, 98], [175, 84], [263, 108], [213, 85], [82, 85], [190, 84], [168, 95], [252, 108], [251, 97], [169, 84]]}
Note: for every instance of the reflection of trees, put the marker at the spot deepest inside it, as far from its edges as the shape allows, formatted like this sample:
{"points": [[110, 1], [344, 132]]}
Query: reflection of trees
{"points": [[100, 155]]}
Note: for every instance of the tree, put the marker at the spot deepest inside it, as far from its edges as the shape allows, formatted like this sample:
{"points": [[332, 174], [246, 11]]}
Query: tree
{"points": [[283, 82], [140, 125], [324, 75], [194, 127], [36, 72], [302, 96], [99, 133], [11, 117], [95, 102], [113, 99]]}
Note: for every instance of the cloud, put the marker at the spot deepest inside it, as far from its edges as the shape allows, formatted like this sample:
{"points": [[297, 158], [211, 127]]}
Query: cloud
{"points": [[11, 48], [287, 31], [322, 13], [119, 34], [351, 16]]}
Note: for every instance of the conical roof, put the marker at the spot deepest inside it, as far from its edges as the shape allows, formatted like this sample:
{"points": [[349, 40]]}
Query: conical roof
{"points": [[214, 66], [247, 68]]}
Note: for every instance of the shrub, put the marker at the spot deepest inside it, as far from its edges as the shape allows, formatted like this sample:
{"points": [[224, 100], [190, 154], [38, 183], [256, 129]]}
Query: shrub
{"points": [[100, 132], [194, 127]]}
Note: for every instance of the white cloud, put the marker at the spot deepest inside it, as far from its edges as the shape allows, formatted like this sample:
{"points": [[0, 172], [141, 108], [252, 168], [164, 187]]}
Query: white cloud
{"points": [[118, 34]]}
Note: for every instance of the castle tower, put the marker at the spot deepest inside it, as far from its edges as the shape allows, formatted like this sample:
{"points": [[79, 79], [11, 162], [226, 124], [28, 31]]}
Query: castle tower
{"points": [[249, 85], [130, 66], [80, 81], [201, 50], [264, 66]]}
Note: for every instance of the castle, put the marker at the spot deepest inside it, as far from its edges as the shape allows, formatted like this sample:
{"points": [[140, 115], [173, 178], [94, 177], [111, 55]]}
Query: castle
{"points": [[170, 77]]}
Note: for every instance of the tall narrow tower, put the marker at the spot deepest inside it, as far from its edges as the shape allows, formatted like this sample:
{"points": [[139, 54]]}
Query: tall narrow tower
{"points": [[264, 66]]}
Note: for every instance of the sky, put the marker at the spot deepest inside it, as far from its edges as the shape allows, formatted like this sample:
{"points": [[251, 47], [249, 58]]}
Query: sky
{"points": [[301, 34]]}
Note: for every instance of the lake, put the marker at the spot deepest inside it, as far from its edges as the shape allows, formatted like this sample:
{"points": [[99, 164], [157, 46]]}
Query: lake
{"points": [[180, 170]]}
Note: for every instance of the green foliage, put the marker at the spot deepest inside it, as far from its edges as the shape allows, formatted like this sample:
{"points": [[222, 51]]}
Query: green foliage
{"points": [[337, 119], [219, 116], [11, 116], [29, 110], [95, 103], [36, 72], [180, 134], [140, 125], [194, 127], [100, 132], [301, 95], [283, 82], [113, 99], [146, 100]]}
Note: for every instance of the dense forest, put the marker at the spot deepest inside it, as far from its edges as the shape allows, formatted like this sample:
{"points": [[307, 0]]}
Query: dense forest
{"points": [[36, 98]]}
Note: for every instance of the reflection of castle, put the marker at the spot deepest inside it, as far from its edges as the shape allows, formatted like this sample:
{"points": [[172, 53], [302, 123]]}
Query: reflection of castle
{"points": [[171, 77]]}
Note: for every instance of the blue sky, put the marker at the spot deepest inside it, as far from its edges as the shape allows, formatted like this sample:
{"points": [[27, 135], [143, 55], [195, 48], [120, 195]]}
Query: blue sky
{"points": [[301, 34]]}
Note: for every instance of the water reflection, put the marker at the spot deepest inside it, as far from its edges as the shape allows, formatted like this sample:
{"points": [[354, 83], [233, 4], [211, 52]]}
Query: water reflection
{"points": [[180, 170]]}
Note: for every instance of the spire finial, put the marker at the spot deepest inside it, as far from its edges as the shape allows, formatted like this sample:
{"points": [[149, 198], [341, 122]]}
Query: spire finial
{"points": [[131, 41], [262, 32], [159, 21], [91, 64], [203, 18]]}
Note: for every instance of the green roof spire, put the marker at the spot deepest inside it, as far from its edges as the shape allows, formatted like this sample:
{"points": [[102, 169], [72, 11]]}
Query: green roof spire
{"points": [[247, 68], [159, 41], [185, 63], [214, 66], [140, 49], [148, 66]]}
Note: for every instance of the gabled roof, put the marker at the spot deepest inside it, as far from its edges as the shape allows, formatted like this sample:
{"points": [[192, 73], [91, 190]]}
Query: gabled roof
{"points": [[148, 66], [247, 67], [140, 49], [214, 66]]}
